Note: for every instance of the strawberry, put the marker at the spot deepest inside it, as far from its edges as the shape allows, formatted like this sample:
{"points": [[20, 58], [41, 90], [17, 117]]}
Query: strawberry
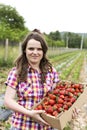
{"points": [[81, 90], [56, 91], [76, 85], [60, 109], [51, 102], [69, 104], [62, 96], [62, 92], [59, 105], [39, 107], [65, 107], [72, 99], [71, 94], [55, 113], [55, 107], [49, 109], [60, 100], [51, 96]]}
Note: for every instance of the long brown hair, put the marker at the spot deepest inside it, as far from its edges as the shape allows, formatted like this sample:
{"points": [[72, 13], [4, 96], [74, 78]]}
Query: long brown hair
{"points": [[22, 62]]}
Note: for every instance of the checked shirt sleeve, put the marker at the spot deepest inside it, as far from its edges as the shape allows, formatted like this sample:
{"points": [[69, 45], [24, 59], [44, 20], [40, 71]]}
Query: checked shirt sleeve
{"points": [[12, 79]]}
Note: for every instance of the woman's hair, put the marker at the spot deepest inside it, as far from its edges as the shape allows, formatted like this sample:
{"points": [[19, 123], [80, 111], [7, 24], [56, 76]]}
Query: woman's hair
{"points": [[22, 62]]}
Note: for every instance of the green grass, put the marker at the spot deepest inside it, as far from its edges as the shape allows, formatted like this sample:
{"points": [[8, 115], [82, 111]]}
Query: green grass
{"points": [[7, 59]]}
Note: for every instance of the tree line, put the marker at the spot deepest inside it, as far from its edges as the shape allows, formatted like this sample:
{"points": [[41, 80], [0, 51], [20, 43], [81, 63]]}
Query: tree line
{"points": [[12, 26]]}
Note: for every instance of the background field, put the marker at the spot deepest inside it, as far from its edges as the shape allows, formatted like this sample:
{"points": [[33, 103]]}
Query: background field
{"points": [[71, 64], [68, 62]]}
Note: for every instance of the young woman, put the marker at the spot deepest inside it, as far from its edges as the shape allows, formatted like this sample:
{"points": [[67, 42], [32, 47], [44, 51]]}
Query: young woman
{"points": [[31, 78]]}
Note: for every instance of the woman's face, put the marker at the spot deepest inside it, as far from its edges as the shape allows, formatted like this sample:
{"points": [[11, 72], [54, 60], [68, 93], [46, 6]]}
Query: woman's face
{"points": [[34, 52]]}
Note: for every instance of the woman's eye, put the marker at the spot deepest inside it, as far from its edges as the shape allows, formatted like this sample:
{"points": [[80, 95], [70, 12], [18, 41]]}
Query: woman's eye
{"points": [[31, 49], [39, 49]]}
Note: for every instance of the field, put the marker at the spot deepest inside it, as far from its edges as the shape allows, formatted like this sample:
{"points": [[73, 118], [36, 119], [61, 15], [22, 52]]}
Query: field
{"points": [[71, 64]]}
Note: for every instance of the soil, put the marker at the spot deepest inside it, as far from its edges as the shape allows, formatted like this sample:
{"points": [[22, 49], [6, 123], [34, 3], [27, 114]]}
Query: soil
{"points": [[83, 74]]}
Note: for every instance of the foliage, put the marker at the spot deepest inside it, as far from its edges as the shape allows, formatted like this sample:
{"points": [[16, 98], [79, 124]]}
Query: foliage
{"points": [[66, 39], [54, 43], [72, 40], [11, 24], [13, 52], [6, 125], [85, 42], [55, 35], [10, 17], [67, 127]]}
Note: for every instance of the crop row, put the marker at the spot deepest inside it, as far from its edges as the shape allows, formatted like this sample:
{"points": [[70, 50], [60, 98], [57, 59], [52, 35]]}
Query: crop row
{"points": [[76, 65], [70, 65], [65, 62], [62, 57]]}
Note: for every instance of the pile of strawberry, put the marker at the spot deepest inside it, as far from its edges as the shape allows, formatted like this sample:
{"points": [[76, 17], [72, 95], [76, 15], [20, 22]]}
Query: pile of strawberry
{"points": [[61, 98]]}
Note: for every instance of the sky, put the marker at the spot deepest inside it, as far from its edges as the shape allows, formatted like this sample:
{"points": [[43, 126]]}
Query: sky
{"points": [[52, 15]]}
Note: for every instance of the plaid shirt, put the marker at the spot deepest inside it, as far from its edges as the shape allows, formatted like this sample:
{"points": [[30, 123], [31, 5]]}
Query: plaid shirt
{"points": [[29, 93]]}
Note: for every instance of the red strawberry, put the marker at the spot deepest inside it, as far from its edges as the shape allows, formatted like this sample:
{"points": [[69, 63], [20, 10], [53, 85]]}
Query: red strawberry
{"points": [[39, 107], [51, 101], [51, 96], [55, 113], [49, 109]]}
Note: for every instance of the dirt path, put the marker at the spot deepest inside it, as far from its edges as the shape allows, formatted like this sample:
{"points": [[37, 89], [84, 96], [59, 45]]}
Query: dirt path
{"points": [[83, 74]]}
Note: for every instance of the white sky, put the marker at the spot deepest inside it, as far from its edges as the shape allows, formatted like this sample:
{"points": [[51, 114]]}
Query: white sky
{"points": [[52, 15]]}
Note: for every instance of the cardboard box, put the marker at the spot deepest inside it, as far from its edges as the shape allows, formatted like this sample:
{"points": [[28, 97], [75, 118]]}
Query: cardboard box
{"points": [[64, 117]]}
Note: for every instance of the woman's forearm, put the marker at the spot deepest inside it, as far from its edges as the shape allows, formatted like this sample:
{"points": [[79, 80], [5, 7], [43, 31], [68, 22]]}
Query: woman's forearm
{"points": [[13, 105]]}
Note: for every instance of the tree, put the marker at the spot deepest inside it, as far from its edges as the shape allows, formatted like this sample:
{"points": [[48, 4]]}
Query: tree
{"points": [[55, 35], [74, 39], [12, 25], [11, 17]]}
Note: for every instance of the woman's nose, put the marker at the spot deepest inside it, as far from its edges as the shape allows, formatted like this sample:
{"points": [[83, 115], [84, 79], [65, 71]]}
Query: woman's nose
{"points": [[35, 51]]}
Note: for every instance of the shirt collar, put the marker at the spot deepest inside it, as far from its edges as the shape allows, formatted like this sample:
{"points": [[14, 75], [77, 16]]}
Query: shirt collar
{"points": [[30, 69]]}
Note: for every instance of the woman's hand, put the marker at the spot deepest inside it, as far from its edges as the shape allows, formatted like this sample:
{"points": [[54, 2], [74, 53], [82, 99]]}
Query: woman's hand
{"points": [[36, 115], [75, 113]]}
